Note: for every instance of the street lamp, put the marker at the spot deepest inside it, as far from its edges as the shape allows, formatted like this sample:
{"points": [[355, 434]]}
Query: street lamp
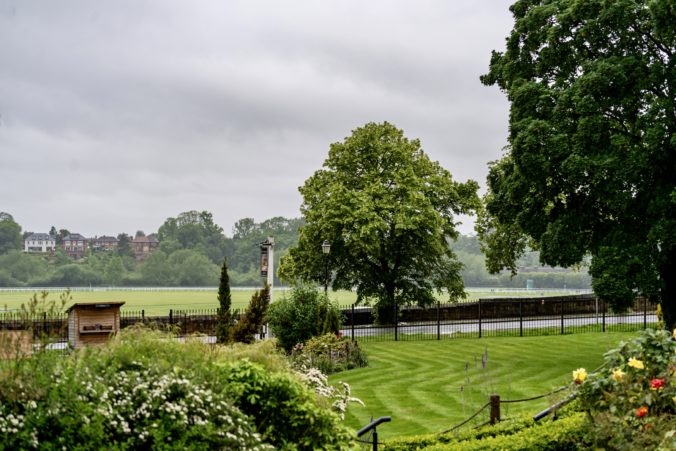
{"points": [[326, 248]]}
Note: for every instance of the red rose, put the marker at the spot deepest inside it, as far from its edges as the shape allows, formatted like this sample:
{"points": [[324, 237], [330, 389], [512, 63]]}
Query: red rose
{"points": [[642, 411], [656, 384]]}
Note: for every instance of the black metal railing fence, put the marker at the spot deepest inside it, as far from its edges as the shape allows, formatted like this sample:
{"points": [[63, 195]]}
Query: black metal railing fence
{"points": [[483, 318]]}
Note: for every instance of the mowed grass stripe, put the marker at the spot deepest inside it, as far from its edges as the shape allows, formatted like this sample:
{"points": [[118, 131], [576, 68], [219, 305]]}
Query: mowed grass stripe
{"points": [[419, 384]]}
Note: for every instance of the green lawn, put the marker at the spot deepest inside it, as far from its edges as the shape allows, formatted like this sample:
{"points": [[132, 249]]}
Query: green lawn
{"points": [[424, 386], [159, 302]]}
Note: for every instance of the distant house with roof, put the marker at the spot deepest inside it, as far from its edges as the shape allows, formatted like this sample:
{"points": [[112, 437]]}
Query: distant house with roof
{"points": [[144, 245], [75, 245], [39, 242], [104, 243]]}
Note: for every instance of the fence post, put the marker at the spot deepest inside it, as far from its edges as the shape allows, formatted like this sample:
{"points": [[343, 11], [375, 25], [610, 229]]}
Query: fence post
{"points": [[561, 316], [171, 316], [603, 304], [495, 409], [143, 316], [479, 318], [44, 324], [438, 320], [520, 318], [396, 322], [352, 322], [645, 313]]}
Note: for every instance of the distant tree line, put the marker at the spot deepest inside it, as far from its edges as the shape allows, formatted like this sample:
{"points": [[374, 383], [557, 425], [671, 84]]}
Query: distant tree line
{"points": [[192, 249]]}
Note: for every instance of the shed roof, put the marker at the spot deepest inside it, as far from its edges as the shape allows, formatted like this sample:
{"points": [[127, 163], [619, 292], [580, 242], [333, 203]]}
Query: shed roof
{"points": [[95, 305]]}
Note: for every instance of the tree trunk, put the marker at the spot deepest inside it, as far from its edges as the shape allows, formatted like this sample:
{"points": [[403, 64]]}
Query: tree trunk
{"points": [[387, 309], [668, 290]]}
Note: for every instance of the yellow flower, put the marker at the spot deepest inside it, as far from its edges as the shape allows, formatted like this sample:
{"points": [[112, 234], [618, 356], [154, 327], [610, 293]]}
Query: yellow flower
{"points": [[634, 363], [674, 399], [618, 375], [579, 375], [674, 333]]}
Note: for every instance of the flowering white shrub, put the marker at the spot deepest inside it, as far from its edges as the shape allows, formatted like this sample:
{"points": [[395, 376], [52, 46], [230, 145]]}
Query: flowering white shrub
{"points": [[132, 409], [320, 384], [144, 391]]}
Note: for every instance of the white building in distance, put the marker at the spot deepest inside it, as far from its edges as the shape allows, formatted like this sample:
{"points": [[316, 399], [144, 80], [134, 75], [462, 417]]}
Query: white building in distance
{"points": [[39, 242]]}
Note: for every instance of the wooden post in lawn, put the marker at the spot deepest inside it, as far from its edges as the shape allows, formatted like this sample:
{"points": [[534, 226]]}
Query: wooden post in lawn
{"points": [[479, 318], [495, 409]]}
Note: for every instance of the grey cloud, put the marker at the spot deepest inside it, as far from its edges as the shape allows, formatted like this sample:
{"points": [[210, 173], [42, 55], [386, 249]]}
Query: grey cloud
{"points": [[137, 111]]}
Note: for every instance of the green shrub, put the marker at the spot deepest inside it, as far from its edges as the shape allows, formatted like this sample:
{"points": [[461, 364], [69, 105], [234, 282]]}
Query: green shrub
{"points": [[284, 410], [521, 434], [301, 314], [632, 398], [329, 353], [144, 390], [251, 323]]}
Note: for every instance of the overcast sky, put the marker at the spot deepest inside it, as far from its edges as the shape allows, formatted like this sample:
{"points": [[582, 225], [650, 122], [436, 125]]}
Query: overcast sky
{"points": [[116, 115]]}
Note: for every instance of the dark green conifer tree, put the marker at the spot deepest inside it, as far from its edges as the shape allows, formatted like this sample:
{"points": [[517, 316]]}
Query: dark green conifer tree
{"points": [[253, 319], [224, 318]]}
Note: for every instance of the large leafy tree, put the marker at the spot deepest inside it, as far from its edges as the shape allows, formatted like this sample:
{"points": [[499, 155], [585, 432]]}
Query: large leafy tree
{"points": [[10, 234], [388, 212], [591, 165], [194, 230]]}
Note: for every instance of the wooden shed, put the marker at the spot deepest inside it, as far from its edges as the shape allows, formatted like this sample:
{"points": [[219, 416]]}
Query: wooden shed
{"points": [[93, 322]]}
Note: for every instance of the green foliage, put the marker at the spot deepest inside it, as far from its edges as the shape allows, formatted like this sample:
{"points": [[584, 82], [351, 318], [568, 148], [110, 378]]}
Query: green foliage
{"points": [[283, 410], [302, 313], [638, 374], [388, 212], [329, 353], [251, 322], [124, 245], [589, 167], [144, 390], [223, 317], [10, 234], [522, 434], [196, 231]]}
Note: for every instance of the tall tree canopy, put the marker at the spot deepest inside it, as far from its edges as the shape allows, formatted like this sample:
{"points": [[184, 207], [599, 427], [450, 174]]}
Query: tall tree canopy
{"points": [[388, 212], [591, 166], [10, 234], [194, 230]]}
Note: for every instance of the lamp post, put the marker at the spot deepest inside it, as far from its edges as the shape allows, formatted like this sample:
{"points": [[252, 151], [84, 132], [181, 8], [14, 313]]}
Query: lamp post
{"points": [[326, 248]]}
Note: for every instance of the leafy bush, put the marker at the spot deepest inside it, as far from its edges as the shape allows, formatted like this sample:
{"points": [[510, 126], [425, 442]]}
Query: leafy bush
{"points": [[566, 433], [329, 353], [251, 323], [302, 314], [144, 390], [283, 410], [633, 397]]}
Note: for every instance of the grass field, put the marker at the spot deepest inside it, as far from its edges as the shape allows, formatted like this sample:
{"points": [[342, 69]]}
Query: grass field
{"points": [[159, 301], [425, 387]]}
